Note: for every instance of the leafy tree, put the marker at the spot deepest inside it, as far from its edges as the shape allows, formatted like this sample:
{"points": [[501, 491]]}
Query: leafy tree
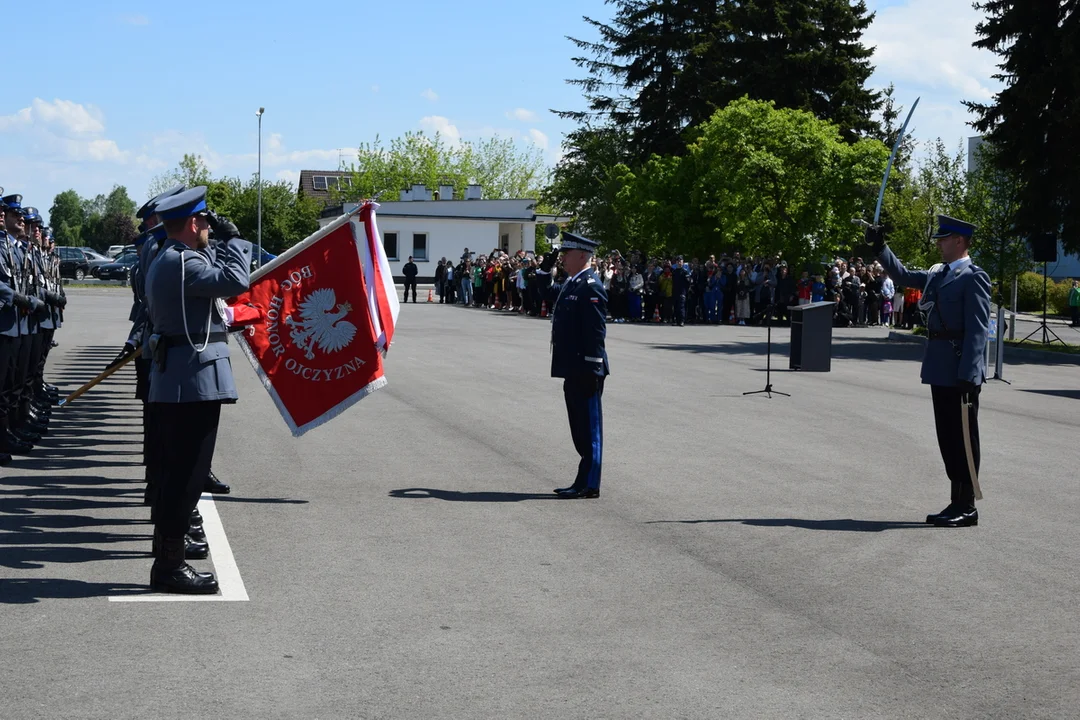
{"points": [[190, 171], [502, 168], [287, 218], [66, 217], [758, 179], [118, 202], [993, 196], [586, 183], [1032, 121]]}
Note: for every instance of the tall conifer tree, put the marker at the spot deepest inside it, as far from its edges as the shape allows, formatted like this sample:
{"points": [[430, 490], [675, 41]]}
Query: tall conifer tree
{"points": [[1034, 122]]}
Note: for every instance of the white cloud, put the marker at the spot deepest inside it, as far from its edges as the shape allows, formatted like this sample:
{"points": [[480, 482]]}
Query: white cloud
{"points": [[374, 88], [291, 176], [63, 116], [442, 126], [925, 48], [522, 115], [135, 20], [538, 138], [430, 94], [274, 143]]}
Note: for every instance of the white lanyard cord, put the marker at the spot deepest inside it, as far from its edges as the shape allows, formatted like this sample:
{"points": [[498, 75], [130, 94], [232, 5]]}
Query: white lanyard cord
{"points": [[183, 310]]}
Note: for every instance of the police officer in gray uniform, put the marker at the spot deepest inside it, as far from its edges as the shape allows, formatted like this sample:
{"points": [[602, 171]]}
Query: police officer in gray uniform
{"points": [[191, 375], [956, 300], [24, 432], [578, 329]]}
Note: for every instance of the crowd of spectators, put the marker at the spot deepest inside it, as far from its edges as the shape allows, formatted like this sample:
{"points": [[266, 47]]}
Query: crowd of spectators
{"points": [[732, 290]]}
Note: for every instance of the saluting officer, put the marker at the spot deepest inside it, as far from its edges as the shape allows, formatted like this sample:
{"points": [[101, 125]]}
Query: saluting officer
{"points": [[578, 329], [191, 375], [956, 300]]}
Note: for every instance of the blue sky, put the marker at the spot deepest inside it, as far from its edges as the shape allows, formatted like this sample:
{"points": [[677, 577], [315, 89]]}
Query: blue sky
{"points": [[114, 92]]}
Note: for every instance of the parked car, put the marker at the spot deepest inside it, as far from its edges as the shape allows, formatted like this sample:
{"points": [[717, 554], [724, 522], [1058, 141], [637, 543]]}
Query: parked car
{"points": [[73, 262], [95, 259], [114, 250], [120, 269]]}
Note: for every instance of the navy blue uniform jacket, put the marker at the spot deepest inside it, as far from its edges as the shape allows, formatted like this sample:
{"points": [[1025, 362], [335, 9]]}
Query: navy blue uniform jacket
{"points": [[578, 328]]}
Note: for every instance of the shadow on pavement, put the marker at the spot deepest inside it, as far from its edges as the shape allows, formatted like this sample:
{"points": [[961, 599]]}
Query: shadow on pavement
{"points": [[479, 497], [1073, 394], [23, 591], [841, 525], [258, 501]]}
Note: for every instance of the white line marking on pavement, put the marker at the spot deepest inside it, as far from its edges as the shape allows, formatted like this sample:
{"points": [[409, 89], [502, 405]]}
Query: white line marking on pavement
{"points": [[228, 575]]}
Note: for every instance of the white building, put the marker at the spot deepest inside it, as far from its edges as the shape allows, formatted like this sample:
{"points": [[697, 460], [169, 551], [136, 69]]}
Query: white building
{"points": [[431, 226]]}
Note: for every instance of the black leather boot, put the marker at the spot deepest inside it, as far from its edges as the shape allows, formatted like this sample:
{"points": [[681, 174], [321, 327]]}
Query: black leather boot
{"points": [[5, 459], [196, 517], [171, 574], [11, 443], [215, 486], [26, 436], [197, 532], [193, 549]]}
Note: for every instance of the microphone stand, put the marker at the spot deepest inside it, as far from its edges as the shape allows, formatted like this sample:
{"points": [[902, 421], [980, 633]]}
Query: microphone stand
{"points": [[768, 357]]}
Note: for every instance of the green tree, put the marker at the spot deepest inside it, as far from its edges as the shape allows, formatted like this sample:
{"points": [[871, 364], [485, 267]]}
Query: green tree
{"points": [[66, 218], [190, 171], [635, 71], [502, 168], [287, 217], [118, 202], [1032, 121], [991, 203], [801, 54], [762, 180], [587, 182]]}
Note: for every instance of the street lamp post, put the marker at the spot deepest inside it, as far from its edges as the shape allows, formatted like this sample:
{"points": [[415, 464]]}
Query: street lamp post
{"points": [[258, 221]]}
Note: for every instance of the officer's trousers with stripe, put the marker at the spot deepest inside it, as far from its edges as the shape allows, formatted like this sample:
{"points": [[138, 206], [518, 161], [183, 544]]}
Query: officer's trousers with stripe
{"points": [[586, 426]]}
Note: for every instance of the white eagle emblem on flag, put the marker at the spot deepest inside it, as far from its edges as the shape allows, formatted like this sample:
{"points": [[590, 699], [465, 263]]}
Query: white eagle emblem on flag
{"points": [[321, 324]]}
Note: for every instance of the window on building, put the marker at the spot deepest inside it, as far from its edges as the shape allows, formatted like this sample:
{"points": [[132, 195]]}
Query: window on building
{"points": [[389, 242], [346, 181], [419, 246], [331, 182], [318, 182]]}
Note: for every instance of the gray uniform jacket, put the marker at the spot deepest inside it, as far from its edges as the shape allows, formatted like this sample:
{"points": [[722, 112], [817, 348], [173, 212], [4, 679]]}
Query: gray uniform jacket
{"points": [[9, 285], [958, 302], [47, 321], [190, 376]]}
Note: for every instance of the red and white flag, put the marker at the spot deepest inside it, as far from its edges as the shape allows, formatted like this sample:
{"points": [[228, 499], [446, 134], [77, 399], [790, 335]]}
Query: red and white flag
{"points": [[327, 311]]}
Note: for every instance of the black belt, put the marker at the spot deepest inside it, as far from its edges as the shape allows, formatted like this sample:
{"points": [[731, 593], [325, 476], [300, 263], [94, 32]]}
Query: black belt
{"points": [[182, 340], [945, 335]]}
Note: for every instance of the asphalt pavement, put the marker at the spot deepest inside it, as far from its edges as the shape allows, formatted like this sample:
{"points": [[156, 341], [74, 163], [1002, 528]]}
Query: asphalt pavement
{"points": [[748, 558]]}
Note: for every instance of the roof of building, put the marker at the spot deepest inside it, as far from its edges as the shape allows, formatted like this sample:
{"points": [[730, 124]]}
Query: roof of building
{"points": [[513, 210], [307, 184]]}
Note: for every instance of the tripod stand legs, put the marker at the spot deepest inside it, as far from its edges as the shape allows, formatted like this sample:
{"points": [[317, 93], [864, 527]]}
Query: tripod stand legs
{"points": [[768, 360]]}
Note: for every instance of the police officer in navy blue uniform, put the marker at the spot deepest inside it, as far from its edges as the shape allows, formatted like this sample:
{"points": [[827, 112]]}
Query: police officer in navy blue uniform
{"points": [[191, 375], [956, 300], [578, 329]]}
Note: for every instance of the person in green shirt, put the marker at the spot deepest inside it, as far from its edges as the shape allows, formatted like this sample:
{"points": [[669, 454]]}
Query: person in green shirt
{"points": [[1074, 302]]}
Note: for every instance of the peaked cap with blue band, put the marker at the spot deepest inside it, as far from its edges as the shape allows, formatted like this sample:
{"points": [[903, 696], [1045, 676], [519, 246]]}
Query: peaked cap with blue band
{"points": [[951, 226], [570, 241], [151, 205], [183, 204], [30, 214], [13, 202], [156, 233]]}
